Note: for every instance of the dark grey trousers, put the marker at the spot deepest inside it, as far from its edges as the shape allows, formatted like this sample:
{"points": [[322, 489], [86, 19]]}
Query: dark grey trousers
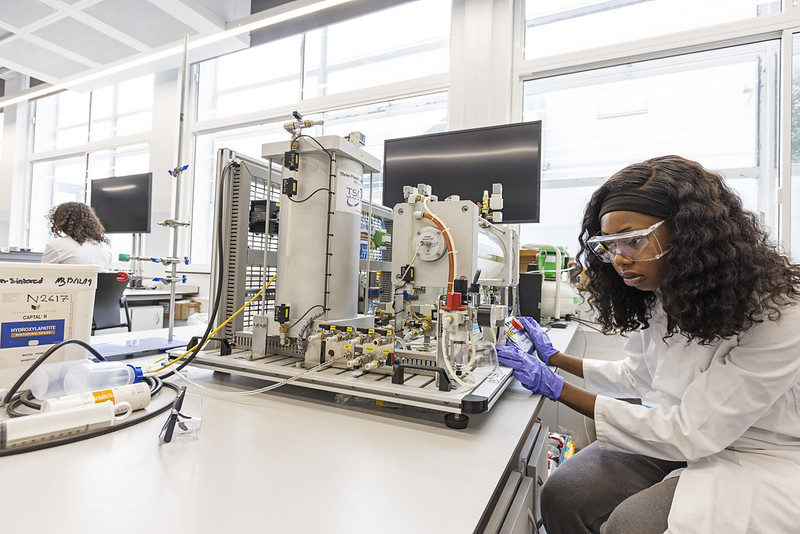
{"points": [[608, 493]]}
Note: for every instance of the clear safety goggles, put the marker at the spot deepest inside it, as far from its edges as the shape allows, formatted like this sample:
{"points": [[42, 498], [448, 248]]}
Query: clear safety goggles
{"points": [[638, 245]]}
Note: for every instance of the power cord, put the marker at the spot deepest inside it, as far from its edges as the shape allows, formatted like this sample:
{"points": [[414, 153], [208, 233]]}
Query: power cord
{"points": [[95, 433], [9, 396]]}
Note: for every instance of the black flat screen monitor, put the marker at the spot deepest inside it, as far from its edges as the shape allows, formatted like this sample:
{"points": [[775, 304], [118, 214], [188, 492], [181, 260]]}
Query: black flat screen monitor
{"points": [[123, 203], [467, 162]]}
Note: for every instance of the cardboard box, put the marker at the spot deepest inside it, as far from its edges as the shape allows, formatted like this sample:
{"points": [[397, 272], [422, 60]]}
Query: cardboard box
{"points": [[183, 309], [525, 257]]}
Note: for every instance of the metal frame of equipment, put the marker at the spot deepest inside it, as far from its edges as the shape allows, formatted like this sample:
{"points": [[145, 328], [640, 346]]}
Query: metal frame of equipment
{"points": [[419, 353]]}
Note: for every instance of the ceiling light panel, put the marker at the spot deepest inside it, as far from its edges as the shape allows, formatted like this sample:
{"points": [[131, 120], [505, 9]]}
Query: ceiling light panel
{"points": [[20, 14], [49, 65], [84, 40], [140, 19]]}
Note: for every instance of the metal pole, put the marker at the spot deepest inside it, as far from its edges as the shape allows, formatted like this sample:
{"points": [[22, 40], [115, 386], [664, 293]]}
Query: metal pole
{"points": [[265, 276], [369, 247], [177, 173]]}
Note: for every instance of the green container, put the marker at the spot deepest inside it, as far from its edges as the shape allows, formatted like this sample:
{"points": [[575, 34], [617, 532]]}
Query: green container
{"points": [[547, 262]]}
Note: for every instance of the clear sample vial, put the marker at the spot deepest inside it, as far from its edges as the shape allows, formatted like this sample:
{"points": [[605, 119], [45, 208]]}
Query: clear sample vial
{"points": [[102, 375], [516, 333], [47, 381]]}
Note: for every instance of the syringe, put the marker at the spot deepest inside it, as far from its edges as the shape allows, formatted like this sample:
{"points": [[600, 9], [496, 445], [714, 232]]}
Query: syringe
{"points": [[41, 427]]}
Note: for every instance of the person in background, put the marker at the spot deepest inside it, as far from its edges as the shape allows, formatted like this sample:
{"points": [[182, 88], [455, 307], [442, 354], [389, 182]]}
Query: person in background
{"points": [[673, 261], [79, 237]]}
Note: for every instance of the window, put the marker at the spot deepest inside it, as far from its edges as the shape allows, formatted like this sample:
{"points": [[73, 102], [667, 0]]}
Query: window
{"points": [[387, 120], [717, 107], [561, 26], [400, 118], [246, 141], [266, 76], [76, 121], [54, 182], [122, 109], [61, 120], [70, 118], [66, 180], [795, 185], [347, 57], [378, 48], [375, 49]]}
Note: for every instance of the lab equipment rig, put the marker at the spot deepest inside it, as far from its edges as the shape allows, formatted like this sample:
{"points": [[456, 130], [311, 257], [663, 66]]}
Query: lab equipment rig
{"points": [[437, 308]]}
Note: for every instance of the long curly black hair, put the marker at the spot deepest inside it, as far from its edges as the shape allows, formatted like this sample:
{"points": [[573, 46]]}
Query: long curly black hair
{"points": [[722, 275], [78, 221]]}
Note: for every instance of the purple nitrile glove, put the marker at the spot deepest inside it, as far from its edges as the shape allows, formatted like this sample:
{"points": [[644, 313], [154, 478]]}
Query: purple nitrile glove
{"points": [[544, 347], [512, 356], [532, 373]]}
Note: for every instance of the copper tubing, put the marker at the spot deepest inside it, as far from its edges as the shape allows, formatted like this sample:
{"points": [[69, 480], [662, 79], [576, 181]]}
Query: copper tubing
{"points": [[450, 251]]}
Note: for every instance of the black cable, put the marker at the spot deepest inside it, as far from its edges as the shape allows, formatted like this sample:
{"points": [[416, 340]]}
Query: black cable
{"points": [[29, 371], [309, 196], [27, 399], [30, 401], [80, 437], [330, 156], [155, 384], [244, 164], [306, 313], [220, 259], [220, 270], [328, 226], [318, 144], [588, 324], [12, 407]]}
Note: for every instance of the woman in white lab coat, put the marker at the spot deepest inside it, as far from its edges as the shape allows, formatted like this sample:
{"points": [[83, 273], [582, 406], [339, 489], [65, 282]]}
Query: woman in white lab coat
{"points": [[79, 237], [710, 309]]}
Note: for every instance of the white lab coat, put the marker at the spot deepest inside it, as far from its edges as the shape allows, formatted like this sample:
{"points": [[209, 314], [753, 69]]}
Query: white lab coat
{"points": [[67, 250], [730, 409]]}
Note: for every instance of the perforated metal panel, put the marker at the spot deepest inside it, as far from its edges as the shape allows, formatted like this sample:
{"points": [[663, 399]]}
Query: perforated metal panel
{"points": [[247, 266]]}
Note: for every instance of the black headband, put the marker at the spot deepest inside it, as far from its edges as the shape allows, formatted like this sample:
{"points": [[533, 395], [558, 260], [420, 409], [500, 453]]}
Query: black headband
{"points": [[640, 201]]}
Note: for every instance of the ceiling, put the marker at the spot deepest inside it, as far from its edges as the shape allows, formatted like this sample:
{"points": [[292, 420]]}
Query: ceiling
{"points": [[56, 40]]}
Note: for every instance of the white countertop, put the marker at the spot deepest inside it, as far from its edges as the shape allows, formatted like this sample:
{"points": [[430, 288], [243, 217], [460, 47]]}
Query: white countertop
{"points": [[292, 460], [181, 290]]}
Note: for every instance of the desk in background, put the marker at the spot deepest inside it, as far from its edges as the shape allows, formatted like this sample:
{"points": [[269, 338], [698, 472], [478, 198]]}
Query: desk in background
{"points": [[148, 307], [144, 297], [20, 255]]}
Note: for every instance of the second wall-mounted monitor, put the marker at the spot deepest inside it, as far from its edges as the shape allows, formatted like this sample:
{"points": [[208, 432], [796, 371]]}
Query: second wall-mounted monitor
{"points": [[123, 203], [467, 163]]}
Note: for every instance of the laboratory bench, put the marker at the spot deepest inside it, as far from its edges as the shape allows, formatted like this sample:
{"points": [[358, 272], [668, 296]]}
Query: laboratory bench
{"points": [[25, 256], [291, 460], [158, 296], [148, 307]]}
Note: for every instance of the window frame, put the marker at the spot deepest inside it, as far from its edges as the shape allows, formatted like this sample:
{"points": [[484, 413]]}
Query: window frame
{"points": [[778, 26]]}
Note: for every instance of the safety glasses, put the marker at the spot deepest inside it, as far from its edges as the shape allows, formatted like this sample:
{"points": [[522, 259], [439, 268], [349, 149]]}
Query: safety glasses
{"points": [[178, 424], [638, 245]]}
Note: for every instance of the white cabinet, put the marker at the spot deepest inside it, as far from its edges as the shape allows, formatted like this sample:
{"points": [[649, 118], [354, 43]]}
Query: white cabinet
{"points": [[145, 317], [142, 318], [516, 510]]}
